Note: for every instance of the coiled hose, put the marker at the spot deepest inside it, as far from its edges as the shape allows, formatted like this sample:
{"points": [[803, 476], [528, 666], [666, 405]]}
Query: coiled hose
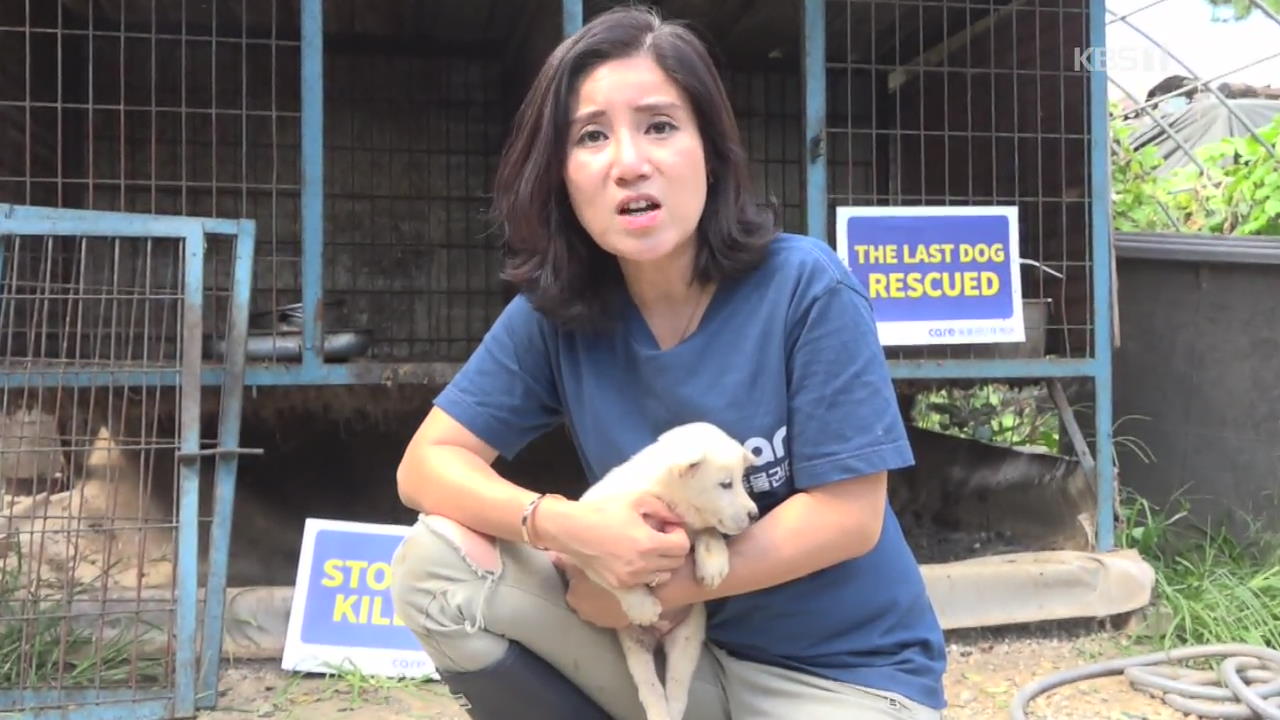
{"points": [[1245, 687]]}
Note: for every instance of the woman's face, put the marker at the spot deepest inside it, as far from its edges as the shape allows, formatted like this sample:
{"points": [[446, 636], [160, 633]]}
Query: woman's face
{"points": [[635, 170]]}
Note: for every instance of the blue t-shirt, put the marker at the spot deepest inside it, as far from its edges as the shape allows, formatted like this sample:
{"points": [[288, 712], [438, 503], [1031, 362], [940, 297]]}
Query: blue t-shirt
{"points": [[787, 360]]}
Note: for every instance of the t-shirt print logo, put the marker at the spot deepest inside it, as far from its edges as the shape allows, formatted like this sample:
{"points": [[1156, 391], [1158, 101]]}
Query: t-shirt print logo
{"points": [[772, 467]]}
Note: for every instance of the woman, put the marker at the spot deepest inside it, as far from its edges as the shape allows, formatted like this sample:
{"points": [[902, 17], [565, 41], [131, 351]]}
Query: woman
{"points": [[654, 291]]}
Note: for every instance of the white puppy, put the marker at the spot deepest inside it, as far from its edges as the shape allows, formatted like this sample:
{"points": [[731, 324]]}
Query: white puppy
{"points": [[697, 469]]}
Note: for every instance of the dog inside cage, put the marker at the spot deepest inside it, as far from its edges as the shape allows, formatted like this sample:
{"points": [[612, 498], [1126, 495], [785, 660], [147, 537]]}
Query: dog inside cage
{"points": [[195, 108], [97, 333]]}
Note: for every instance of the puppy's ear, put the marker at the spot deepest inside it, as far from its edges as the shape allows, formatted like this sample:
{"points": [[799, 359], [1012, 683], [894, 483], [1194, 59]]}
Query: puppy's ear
{"points": [[748, 457], [685, 459], [687, 466]]}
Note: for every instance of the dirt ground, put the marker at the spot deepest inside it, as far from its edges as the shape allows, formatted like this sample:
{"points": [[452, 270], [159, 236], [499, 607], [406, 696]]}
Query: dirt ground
{"points": [[985, 671]]}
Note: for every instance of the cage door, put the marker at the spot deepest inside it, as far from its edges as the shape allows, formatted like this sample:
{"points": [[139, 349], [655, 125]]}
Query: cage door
{"points": [[103, 317]]}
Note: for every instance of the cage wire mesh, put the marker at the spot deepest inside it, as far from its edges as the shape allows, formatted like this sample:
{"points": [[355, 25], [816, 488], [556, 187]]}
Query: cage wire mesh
{"points": [[88, 474], [160, 106], [934, 102], [418, 100], [769, 106], [193, 108]]}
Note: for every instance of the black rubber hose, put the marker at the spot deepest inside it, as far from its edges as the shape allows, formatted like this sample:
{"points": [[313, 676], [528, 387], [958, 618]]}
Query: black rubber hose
{"points": [[1248, 689]]}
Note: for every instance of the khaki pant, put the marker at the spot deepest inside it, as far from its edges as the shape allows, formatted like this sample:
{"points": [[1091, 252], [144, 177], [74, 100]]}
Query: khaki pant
{"points": [[464, 616]]}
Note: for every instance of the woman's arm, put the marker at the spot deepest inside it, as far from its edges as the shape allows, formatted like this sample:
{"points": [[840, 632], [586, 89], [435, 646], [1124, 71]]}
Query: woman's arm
{"points": [[446, 470], [807, 532], [838, 379]]}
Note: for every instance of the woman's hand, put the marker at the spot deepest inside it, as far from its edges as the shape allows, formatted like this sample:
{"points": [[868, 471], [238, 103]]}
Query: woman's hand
{"points": [[595, 604], [633, 542]]}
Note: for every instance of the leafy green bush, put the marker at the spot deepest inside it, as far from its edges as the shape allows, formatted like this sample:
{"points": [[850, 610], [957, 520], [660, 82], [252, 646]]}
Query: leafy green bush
{"points": [[992, 412], [1237, 193], [1240, 9]]}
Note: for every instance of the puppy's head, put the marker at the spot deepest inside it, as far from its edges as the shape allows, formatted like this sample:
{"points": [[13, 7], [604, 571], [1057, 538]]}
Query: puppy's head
{"points": [[705, 487]]}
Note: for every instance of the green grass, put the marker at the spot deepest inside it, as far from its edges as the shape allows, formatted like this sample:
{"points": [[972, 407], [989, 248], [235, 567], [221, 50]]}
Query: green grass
{"points": [[357, 686], [1212, 586], [41, 648]]}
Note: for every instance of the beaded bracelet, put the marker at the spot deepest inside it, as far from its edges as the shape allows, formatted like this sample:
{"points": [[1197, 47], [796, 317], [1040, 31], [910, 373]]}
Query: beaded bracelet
{"points": [[526, 518]]}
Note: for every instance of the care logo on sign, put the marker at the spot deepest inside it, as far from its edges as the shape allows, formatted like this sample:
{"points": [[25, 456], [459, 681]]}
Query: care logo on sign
{"points": [[342, 611], [936, 274]]}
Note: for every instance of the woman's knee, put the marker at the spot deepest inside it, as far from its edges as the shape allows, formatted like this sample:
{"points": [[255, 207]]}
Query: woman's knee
{"points": [[439, 552], [479, 549], [440, 582], [439, 559]]}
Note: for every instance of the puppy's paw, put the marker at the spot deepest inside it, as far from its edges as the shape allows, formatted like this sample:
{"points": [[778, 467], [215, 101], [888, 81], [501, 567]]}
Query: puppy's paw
{"points": [[641, 606], [713, 573], [710, 558]]}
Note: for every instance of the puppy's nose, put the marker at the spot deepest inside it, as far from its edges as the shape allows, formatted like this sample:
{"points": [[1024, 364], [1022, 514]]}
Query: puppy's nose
{"points": [[754, 514]]}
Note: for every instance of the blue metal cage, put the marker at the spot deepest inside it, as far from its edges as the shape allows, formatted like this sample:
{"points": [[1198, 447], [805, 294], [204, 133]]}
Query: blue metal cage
{"points": [[360, 137], [938, 102], [105, 317]]}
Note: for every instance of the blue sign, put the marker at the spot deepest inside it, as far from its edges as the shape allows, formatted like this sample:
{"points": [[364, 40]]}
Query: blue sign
{"points": [[342, 612], [936, 274], [348, 596]]}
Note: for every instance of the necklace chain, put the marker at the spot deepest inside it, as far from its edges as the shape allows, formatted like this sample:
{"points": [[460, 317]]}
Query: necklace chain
{"points": [[688, 324]]}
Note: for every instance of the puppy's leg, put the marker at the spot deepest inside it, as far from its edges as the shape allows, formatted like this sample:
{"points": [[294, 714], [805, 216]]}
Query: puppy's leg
{"points": [[639, 604], [637, 647], [683, 647], [710, 557]]}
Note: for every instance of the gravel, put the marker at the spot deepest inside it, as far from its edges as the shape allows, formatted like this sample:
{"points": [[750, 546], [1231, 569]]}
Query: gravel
{"points": [[986, 669]]}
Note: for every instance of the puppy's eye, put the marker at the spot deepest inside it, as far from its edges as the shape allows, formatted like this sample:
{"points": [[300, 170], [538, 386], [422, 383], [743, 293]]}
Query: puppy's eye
{"points": [[726, 483]]}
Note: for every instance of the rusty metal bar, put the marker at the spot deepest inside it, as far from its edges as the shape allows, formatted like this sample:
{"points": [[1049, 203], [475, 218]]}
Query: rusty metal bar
{"points": [[187, 560], [224, 477], [96, 296], [313, 233]]}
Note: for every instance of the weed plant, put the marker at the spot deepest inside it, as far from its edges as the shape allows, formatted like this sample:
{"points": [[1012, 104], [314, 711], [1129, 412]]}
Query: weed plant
{"points": [[1213, 585], [41, 646]]}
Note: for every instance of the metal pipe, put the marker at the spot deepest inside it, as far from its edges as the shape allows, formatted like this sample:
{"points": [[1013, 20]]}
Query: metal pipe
{"points": [[187, 559], [1205, 82], [1135, 11], [570, 16], [3, 245], [1163, 125], [1212, 90], [1265, 10], [815, 117], [1100, 230], [224, 477], [312, 81]]}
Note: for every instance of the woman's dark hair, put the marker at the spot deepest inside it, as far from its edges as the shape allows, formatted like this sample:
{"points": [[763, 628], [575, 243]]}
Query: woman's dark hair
{"points": [[548, 255]]}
